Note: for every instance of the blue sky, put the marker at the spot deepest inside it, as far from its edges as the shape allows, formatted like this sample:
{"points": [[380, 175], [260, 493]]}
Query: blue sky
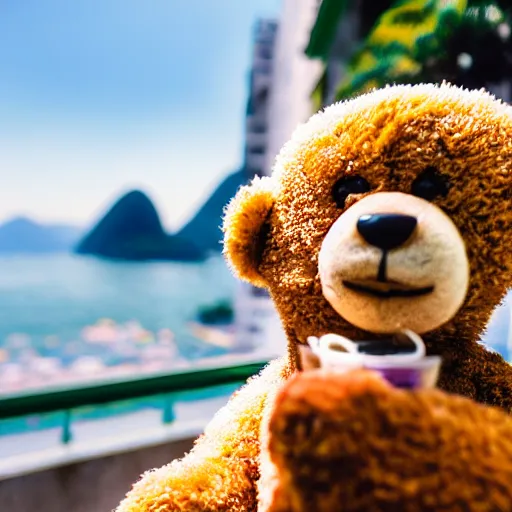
{"points": [[100, 96]]}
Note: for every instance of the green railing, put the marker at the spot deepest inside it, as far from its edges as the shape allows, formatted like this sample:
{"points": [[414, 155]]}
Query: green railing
{"points": [[165, 385]]}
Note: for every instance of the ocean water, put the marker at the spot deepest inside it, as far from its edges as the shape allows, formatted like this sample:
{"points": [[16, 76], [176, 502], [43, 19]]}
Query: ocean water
{"points": [[53, 297], [58, 295]]}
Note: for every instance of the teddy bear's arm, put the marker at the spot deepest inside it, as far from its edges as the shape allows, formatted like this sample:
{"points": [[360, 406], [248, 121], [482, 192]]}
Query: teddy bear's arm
{"points": [[351, 442], [220, 472]]}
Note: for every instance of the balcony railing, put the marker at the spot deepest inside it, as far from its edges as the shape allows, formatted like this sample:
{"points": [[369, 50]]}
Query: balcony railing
{"points": [[166, 385]]}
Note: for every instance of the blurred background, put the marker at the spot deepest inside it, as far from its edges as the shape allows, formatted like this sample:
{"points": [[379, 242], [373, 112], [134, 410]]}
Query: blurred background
{"points": [[125, 129]]}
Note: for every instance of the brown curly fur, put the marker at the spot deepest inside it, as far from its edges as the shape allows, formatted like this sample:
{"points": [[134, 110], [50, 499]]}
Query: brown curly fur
{"points": [[351, 442], [274, 229]]}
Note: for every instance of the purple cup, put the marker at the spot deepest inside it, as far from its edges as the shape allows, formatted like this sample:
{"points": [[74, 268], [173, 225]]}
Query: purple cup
{"points": [[422, 373]]}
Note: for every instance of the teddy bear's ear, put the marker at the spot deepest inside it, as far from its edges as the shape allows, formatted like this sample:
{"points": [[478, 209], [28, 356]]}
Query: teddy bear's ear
{"points": [[246, 228]]}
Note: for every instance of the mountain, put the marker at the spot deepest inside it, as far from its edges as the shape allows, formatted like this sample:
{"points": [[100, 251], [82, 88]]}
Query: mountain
{"points": [[131, 230], [22, 235], [204, 229]]}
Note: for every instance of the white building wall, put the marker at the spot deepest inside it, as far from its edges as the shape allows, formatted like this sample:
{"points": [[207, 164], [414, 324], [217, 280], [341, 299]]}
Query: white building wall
{"points": [[252, 308], [294, 76], [292, 81]]}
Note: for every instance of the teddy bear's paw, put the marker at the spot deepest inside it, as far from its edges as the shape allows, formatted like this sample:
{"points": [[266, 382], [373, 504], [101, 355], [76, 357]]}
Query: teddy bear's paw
{"points": [[352, 442]]}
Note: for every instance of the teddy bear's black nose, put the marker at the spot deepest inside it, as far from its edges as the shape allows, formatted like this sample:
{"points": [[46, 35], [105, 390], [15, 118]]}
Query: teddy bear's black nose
{"points": [[386, 230]]}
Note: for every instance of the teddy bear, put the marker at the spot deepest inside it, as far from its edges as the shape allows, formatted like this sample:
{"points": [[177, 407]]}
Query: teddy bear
{"points": [[386, 212]]}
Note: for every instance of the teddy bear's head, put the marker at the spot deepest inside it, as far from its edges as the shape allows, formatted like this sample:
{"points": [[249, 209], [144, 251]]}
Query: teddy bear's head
{"points": [[390, 211]]}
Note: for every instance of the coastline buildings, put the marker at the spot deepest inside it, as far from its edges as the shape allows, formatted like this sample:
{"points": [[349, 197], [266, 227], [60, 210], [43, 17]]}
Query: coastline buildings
{"points": [[282, 80], [253, 308], [294, 75], [260, 86]]}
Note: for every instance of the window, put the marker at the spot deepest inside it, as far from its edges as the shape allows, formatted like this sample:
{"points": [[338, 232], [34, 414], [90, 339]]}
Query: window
{"points": [[262, 95], [259, 292], [264, 68], [257, 150], [265, 52], [258, 127]]}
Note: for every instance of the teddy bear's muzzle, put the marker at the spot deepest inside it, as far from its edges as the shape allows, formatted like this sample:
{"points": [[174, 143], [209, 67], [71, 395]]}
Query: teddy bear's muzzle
{"points": [[394, 261]]}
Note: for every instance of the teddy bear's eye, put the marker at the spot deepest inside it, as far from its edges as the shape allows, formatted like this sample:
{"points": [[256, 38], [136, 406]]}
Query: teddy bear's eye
{"points": [[429, 185], [346, 186]]}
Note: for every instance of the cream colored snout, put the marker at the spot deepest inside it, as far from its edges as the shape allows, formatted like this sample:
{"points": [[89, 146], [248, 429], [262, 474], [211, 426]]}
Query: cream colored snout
{"points": [[383, 287]]}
